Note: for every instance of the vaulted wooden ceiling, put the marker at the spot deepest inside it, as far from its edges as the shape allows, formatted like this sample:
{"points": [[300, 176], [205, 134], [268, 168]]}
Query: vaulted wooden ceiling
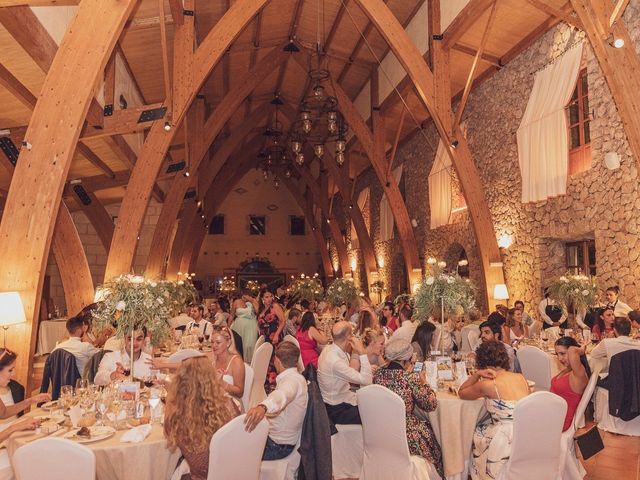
{"points": [[351, 43]]}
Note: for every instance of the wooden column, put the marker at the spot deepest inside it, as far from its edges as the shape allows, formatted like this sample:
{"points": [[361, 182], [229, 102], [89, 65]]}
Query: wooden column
{"points": [[33, 204], [185, 87], [456, 145]]}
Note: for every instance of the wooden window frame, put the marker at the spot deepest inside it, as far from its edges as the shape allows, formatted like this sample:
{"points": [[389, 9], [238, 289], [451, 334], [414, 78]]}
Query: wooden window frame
{"points": [[587, 268], [580, 156]]}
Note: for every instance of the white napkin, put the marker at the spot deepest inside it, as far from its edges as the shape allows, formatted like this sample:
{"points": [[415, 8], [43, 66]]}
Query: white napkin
{"points": [[461, 372], [432, 374], [75, 414], [136, 434]]}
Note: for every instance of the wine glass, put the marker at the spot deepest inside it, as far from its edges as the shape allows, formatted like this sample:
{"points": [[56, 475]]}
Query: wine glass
{"points": [[154, 401], [82, 384], [66, 396], [102, 406]]}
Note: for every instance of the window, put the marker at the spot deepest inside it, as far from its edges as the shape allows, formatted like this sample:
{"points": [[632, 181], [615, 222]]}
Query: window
{"points": [[578, 118], [296, 225], [217, 225], [257, 225], [581, 257]]}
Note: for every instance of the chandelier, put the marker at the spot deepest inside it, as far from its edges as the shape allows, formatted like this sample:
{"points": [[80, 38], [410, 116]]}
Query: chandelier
{"points": [[320, 122], [273, 158]]}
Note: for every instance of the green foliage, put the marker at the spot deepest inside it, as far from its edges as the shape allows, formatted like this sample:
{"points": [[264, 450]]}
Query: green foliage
{"points": [[133, 302], [574, 291], [307, 288], [342, 290], [458, 295]]}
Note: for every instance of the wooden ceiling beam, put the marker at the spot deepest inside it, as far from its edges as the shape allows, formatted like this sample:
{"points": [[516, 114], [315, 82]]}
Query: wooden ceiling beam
{"points": [[467, 17], [16, 88], [336, 24], [472, 52], [166, 75], [37, 3], [122, 122], [127, 67], [177, 9], [549, 9], [90, 155], [617, 11]]}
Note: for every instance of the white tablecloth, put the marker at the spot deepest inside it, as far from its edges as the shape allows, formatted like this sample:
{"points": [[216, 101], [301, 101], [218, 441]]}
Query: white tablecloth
{"points": [[149, 459], [454, 422], [51, 332]]}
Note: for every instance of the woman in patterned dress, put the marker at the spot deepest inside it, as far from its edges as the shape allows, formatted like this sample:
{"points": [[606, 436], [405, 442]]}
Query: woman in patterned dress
{"points": [[415, 392], [271, 323], [501, 390]]}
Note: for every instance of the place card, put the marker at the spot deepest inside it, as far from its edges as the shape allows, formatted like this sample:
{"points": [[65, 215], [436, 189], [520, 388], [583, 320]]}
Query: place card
{"points": [[129, 391], [461, 372], [445, 368], [431, 372]]}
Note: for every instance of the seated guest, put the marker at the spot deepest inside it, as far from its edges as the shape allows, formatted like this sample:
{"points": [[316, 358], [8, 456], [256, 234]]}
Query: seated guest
{"points": [[97, 339], [501, 390], [407, 326], [634, 318], [499, 316], [285, 407], [451, 340], [515, 329], [422, 340], [292, 324], [389, 319], [608, 347], [604, 325], [221, 316], [572, 380], [490, 332], [228, 364], [373, 341], [83, 351], [198, 325], [414, 391], [116, 365], [337, 370], [197, 407], [309, 337], [527, 320], [180, 322], [366, 319]]}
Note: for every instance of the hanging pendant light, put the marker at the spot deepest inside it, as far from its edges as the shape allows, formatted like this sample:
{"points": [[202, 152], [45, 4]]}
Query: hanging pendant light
{"points": [[341, 145], [318, 149], [300, 159], [276, 183], [340, 158], [296, 146]]}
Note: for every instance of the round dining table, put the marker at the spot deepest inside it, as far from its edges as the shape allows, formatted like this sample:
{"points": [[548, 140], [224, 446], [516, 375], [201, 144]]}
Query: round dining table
{"points": [[454, 422], [116, 460]]}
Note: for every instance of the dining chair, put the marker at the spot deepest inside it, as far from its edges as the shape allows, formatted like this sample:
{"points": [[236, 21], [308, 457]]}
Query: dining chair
{"points": [[54, 459], [248, 383], [536, 366], [260, 365], [227, 461], [283, 469], [386, 452], [181, 355], [537, 429], [468, 332], [294, 340]]}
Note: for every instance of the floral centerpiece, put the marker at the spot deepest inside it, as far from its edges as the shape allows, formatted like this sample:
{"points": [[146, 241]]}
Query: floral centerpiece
{"points": [[306, 288], [575, 292], [404, 299], [342, 291], [130, 302]]}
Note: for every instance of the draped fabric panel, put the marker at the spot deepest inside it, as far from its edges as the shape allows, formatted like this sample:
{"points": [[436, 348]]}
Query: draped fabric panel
{"points": [[386, 215], [363, 198], [543, 144], [440, 188]]}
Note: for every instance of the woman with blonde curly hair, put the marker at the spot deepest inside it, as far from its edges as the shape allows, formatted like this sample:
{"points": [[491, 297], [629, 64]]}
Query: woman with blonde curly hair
{"points": [[373, 339], [197, 407]]}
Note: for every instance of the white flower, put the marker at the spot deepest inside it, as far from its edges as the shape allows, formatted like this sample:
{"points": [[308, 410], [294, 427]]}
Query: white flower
{"points": [[137, 279], [576, 290], [585, 293], [302, 275], [120, 306], [431, 261], [160, 300], [450, 280], [564, 279], [442, 264], [153, 284], [180, 282], [339, 289], [430, 280]]}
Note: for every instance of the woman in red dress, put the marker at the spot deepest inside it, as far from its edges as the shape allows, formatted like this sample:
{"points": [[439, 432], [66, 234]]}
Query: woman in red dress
{"points": [[271, 323]]}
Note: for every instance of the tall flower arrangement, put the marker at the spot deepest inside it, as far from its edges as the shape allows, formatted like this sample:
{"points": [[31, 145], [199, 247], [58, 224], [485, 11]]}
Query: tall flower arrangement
{"points": [[342, 290], [576, 292], [131, 302], [446, 291], [306, 288]]}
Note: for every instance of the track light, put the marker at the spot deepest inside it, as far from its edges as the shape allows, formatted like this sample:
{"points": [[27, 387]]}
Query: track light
{"points": [[454, 144], [616, 42], [186, 173], [27, 145], [167, 126]]}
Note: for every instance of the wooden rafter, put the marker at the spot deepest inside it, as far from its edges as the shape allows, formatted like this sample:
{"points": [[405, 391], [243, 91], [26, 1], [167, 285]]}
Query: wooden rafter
{"points": [[176, 11], [485, 57], [617, 11], [94, 159], [549, 9], [467, 17], [16, 88], [166, 75]]}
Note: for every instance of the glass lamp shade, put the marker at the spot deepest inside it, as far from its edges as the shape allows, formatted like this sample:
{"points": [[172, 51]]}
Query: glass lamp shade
{"points": [[339, 158], [296, 147], [11, 309], [318, 150], [306, 126], [300, 159], [341, 145], [500, 292]]}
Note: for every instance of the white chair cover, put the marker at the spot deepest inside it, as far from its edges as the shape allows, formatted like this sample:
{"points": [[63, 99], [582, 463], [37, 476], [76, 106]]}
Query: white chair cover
{"points": [[259, 342], [181, 355], [6, 470], [535, 449], [236, 453], [54, 459], [386, 452], [183, 469], [570, 466], [535, 328], [347, 450], [469, 332], [284, 469], [608, 422], [260, 364], [536, 366], [248, 384], [294, 340]]}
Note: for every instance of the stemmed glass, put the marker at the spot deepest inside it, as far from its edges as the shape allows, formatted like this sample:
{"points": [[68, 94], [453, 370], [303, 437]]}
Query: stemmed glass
{"points": [[66, 396], [154, 401], [102, 405]]}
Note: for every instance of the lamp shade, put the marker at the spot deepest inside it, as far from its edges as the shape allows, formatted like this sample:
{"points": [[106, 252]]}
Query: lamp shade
{"points": [[500, 292], [11, 309]]}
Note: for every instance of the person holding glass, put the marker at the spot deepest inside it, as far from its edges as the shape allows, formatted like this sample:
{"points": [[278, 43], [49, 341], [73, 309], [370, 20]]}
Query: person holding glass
{"points": [[117, 365]]}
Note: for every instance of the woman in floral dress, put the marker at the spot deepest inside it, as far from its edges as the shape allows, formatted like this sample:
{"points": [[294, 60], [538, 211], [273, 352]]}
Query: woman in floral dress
{"points": [[271, 323], [416, 394]]}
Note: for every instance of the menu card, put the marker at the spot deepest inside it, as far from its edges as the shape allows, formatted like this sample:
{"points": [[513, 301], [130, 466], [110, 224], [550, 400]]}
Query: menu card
{"points": [[431, 371], [445, 368]]}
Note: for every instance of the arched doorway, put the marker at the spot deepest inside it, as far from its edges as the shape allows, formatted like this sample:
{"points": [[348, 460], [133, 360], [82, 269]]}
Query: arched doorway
{"points": [[259, 270]]}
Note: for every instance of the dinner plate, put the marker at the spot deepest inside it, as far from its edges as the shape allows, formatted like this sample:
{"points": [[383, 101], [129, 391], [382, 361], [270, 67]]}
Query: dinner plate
{"points": [[97, 433], [49, 405]]}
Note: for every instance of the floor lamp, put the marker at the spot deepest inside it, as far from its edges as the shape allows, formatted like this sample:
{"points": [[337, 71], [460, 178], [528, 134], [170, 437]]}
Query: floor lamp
{"points": [[11, 311]]}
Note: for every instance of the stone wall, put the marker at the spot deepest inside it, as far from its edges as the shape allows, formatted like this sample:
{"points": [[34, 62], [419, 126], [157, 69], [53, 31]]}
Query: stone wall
{"points": [[600, 204]]}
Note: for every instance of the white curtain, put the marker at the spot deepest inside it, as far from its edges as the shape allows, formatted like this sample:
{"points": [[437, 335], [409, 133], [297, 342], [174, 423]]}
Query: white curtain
{"points": [[386, 215], [363, 198], [543, 146], [440, 188]]}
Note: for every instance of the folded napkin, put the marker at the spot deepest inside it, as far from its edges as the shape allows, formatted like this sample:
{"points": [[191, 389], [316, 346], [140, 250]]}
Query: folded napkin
{"points": [[136, 434], [122, 415], [75, 414]]}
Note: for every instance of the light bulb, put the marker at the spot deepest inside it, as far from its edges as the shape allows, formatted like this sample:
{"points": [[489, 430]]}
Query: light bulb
{"points": [[306, 126], [167, 126], [300, 159], [318, 150], [340, 158], [341, 145], [296, 146], [287, 174]]}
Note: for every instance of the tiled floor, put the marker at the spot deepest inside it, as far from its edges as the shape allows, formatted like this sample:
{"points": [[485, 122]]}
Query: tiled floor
{"points": [[620, 459]]}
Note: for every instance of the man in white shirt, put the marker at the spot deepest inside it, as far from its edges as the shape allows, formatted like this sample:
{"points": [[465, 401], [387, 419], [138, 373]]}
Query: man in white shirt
{"points": [[198, 326], [608, 347], [407, 326], [337, 371], [83, 351], [117, 365], [285, 407]]}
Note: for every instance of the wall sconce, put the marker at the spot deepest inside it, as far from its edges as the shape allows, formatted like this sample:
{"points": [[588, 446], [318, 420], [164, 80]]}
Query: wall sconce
{"points": [[354, 264], [12, 311], [381, 262], [505, 240]]}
